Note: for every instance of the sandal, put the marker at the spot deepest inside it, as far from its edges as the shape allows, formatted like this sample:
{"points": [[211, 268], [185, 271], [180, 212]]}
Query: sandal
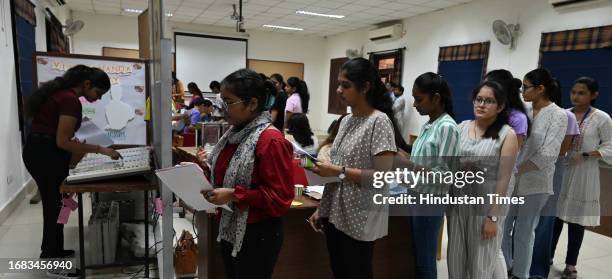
{"points": [[569, 274]]}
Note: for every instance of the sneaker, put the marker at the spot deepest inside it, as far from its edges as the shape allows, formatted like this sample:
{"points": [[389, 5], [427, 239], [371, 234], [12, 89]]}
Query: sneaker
{"points": [[64, 273]]}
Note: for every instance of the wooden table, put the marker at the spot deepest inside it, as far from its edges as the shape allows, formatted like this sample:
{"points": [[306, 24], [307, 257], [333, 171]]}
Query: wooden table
{"points": [[304, 251], [126, 184]]}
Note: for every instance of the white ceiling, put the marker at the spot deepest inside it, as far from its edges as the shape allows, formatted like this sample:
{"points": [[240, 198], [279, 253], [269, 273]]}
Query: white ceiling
{"points": [[359, 13]]}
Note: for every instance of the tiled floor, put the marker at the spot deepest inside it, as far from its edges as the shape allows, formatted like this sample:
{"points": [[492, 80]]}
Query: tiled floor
{"points": [[20, 236]]}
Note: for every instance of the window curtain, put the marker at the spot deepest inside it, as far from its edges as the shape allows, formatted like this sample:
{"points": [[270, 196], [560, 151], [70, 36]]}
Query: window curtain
{"points": [[26, 10], [474, 51], [577, 39]]}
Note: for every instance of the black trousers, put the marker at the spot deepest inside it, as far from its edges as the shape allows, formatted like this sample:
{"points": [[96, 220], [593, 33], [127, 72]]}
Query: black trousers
{"points": [[257, 257], [48, 166], [575, 235], [349, 258]]}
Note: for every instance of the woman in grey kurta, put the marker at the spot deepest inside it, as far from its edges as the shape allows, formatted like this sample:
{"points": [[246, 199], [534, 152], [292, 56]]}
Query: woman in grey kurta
{"points": [[578, 203], [486, 143], [536, 166], [366, 141]]}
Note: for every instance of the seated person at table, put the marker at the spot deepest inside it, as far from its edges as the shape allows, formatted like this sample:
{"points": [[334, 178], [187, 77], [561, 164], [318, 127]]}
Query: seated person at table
{"points": [[202, 108], [258, 190], [299, 128], [323, 154]]}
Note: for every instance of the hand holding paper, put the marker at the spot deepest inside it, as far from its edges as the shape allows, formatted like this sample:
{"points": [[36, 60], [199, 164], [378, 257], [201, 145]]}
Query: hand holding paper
{"points": [[187, 181]]}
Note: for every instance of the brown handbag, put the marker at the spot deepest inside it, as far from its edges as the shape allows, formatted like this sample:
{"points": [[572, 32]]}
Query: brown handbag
{"points": [[185, 255]]}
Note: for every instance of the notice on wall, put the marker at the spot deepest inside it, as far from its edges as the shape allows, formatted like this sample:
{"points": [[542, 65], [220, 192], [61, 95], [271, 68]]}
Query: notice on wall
{"points": [[120, 112]]}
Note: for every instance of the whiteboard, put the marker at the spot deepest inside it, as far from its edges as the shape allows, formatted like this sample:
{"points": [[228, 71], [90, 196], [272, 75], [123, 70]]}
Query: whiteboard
{"points": [[202, 59], [128, 86]]}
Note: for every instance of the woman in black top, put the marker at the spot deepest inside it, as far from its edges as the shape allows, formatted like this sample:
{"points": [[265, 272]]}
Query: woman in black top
{"points": [[280, 101], [50, 149]]}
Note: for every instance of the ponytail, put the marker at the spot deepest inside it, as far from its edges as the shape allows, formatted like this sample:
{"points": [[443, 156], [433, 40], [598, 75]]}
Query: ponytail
{"points": [[432, 83], [302, 89], [361, 71], [72, 78]]}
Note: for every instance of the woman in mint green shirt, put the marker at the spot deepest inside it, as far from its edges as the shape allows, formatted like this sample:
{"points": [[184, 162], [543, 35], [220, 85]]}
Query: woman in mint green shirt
{"points": [[435, 149]]}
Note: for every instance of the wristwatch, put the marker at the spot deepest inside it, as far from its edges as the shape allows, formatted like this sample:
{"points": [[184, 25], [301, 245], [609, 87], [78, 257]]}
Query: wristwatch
{"points": [[492, 218], [342, 174]]}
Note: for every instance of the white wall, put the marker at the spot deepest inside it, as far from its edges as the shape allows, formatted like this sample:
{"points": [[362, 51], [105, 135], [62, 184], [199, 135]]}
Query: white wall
{"points": [[13, 176], [104, 31], [470, 23]]}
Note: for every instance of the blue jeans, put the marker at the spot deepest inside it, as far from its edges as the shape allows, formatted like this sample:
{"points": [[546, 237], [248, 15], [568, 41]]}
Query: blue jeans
{"points": [[519, 234], [542, 252], [425, 242]]}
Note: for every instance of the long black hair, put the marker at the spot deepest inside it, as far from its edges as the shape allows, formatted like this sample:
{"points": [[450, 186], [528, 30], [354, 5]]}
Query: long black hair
{"points": [[71, 78], [432, 83], [196, 89], [302, 89], [542, 76], [591, 84], [280, 79], [247, 84], [512, 86], [361, 71], [299, 127], [501, 99]]}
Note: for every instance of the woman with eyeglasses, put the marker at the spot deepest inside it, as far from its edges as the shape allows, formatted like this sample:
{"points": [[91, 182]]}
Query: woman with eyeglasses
{"points": [[578, 204], [51, 149], [536, 166], [486, 143], [542, 246], [366, 142], [258, 190]]}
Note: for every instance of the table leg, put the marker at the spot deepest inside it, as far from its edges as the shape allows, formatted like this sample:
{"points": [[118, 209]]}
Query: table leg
{"points": [[81, 237], [203, 224], [146, 221]]}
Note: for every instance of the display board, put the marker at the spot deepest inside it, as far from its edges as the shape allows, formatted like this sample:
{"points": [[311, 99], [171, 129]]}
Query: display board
{"points": [[121, 110], [202, 59]]}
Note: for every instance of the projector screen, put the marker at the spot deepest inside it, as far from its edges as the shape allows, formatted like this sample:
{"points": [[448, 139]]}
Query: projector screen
{"points": [[202, 59]]}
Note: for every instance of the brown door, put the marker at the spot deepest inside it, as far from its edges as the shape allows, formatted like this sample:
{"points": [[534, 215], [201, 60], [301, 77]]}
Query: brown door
{"points": [[335, 104]]}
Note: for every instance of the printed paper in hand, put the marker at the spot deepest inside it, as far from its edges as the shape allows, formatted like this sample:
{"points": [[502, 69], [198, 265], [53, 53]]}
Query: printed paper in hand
{"points": [[186, 181]]}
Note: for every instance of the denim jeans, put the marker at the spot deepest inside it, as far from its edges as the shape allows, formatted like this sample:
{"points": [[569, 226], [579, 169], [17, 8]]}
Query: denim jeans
{"points": [[519, 234]]}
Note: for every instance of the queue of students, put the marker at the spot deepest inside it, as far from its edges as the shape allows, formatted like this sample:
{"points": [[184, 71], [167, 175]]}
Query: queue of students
{"points": [[519, 148]]}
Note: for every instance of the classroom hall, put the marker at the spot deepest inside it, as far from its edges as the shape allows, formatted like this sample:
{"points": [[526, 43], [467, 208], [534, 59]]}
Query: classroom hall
{"points": [[306, 139]]}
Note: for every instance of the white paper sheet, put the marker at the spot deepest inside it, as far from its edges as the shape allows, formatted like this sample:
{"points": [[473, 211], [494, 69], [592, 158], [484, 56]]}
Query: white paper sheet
{"points": [[92, 134], [186, 181], [316, 180]]}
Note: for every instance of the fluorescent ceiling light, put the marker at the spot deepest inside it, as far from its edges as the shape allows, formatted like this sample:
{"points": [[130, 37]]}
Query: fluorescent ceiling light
{"points": [[137, 11], [318, 14], [282, 27]]}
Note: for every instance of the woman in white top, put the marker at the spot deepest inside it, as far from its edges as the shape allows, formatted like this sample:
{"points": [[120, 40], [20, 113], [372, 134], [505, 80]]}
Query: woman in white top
{"points": [[578, 204], [299, 97], [536, 166]]}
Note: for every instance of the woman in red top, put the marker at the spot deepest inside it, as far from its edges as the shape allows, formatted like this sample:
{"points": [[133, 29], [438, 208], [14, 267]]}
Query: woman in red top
{"points": [[56, 114], [252, 170]]}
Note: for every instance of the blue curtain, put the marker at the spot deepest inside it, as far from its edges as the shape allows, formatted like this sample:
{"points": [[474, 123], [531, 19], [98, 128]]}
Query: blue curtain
{"points": [[567, 66], [26, 46], [462, 77]]}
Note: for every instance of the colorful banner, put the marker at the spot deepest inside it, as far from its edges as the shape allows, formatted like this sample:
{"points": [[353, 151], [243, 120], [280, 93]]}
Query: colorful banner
{"points": [[121, 110]]}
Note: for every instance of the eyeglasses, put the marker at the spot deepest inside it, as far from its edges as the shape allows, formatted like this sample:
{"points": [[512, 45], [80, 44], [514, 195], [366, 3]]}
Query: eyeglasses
{"points": [[525, 87], [225, 105], [484, 101]]}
